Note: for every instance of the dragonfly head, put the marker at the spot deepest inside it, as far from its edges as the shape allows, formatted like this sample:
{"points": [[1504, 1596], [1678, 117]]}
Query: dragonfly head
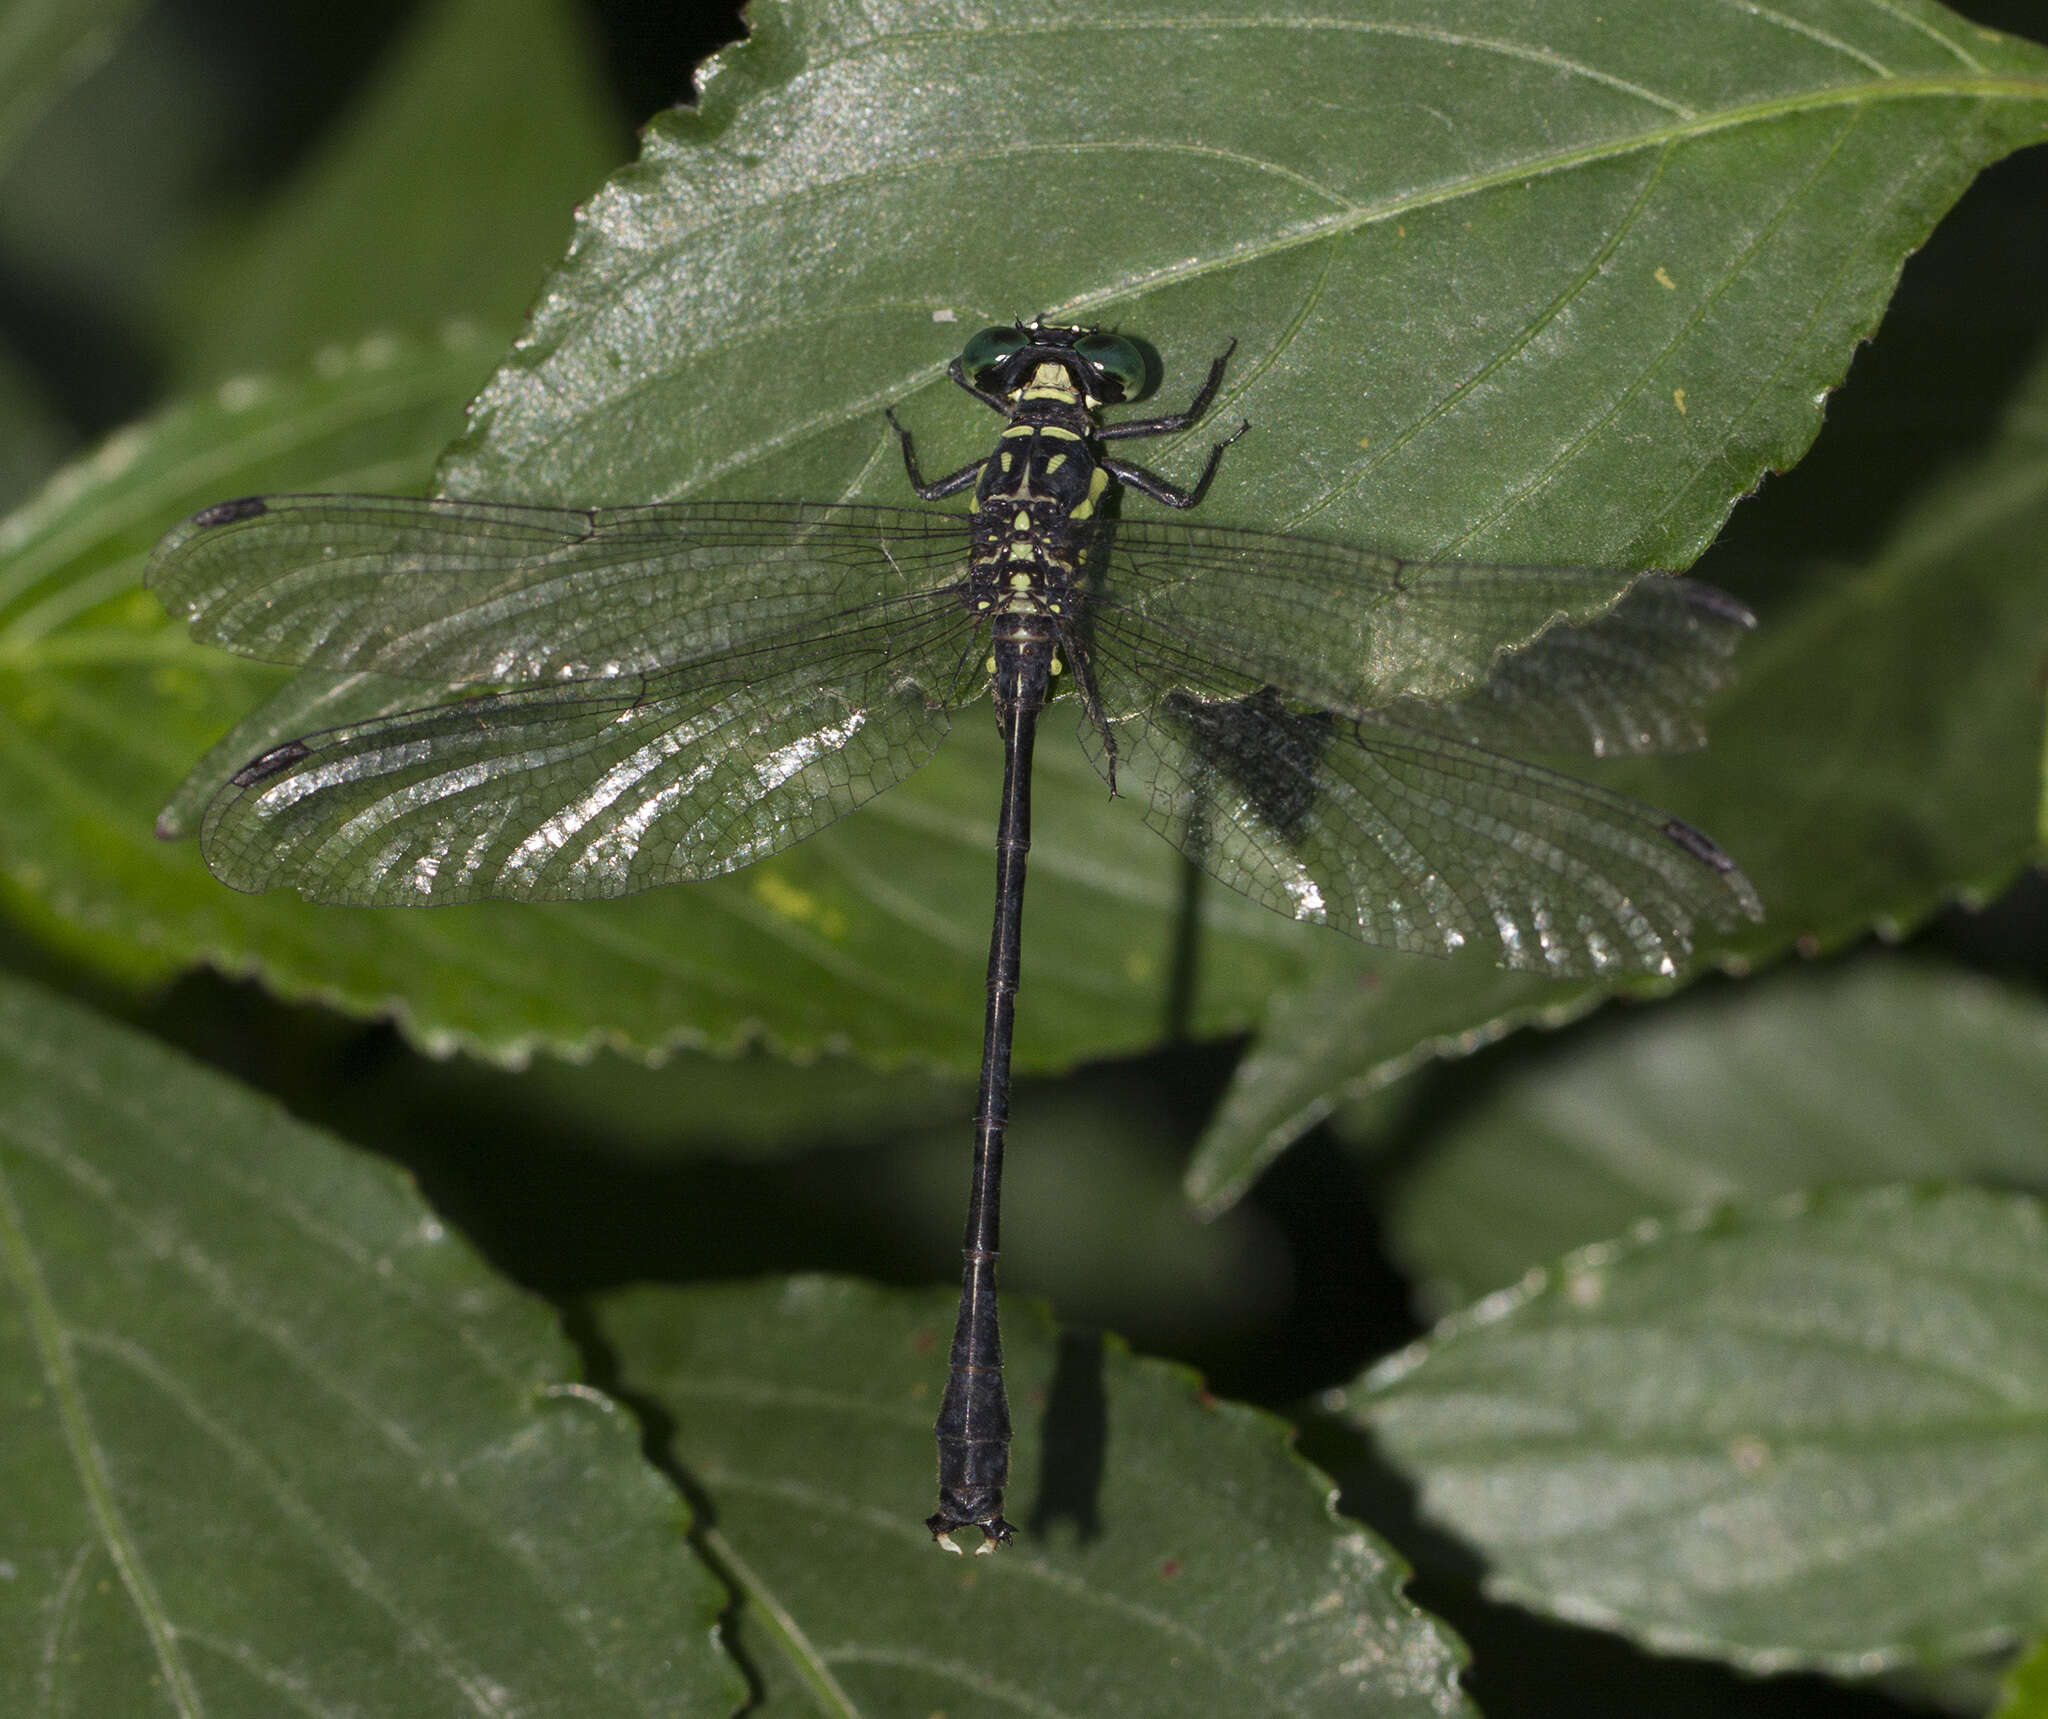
{"points": [[1097, 369]]}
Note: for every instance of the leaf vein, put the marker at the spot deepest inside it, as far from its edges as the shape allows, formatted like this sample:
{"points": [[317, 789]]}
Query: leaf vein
{"points": [[53, 1351], [1507, 351], [1729, 277], [1798, 27]]}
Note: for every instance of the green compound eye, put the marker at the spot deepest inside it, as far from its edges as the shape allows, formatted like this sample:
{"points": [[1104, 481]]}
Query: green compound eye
{"points": [[1118, 360], [990, 347]]}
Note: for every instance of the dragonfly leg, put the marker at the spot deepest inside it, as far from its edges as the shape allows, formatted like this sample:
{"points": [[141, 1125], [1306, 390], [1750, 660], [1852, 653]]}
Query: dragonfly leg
{"points": [[1173, 422], [994, 402], [1091, 703], [1171, 494], [952, 484]]}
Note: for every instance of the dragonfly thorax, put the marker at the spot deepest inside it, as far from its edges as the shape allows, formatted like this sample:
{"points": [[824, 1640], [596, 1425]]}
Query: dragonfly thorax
{"points": [[1035, 509]]}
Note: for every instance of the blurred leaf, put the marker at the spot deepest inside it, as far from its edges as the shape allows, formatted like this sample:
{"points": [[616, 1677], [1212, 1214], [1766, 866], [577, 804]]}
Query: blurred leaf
{"points": [[1812, 1434], [32, 436], [1175, 1557], [98, 204], [2042, 834], [44, 50], [271, 1439], [1877, 760], [447, 192], [746, 1107], [1092, 1214], [1878, 1072], [2026, 1688]]}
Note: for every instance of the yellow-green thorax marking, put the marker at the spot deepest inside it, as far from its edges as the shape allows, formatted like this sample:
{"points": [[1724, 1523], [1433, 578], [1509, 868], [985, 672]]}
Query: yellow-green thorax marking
{"points": [[1036, 499]]}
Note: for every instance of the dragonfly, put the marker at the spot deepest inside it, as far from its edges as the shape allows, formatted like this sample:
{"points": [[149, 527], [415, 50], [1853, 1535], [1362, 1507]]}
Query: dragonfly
{"points": [[669, 692]]}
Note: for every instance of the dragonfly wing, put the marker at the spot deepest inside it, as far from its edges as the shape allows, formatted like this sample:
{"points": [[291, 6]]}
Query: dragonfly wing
{"points": [[572, 793], [457, 591], [308, 701], [1406, 838], [1634, 681], [1344, 629]]}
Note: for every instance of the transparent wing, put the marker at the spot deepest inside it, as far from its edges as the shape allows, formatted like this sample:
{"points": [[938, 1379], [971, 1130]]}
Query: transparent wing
{"points": [[308, 701], [1404, 837], [1634, 681], [1346, 629], [459, 591], [576, 792]]}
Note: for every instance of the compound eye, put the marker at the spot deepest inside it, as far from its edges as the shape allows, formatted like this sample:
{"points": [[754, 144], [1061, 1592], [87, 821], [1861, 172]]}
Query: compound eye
{"points": [[1119, 362], [991, 348]]}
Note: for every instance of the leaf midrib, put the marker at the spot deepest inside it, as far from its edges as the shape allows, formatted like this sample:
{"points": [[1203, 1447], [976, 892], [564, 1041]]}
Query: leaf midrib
{"points": [[1350, 217]]}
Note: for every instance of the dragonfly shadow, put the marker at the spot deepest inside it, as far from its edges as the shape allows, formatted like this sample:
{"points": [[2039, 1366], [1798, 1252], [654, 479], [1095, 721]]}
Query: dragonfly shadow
{"points": [[602, 1370], [1251, 752], [1074, 1438], [1184, 976]]}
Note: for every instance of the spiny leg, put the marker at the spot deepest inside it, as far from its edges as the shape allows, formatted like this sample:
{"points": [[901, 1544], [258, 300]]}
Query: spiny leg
{"points": [[994, 402], [951, 484], [1159, 489], [1173, 422]]}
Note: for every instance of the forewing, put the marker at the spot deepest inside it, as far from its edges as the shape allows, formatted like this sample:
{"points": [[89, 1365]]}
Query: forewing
{"points": [[577, 792], [457, 591], [1343, 629], [1634, 681], [1407, 838]]}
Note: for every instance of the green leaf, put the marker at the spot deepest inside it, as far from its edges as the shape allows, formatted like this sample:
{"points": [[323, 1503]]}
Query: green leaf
{"points": [[45, 50], [447, 191], [1878, 1072], [32, 436], [1810, 1434], [1173, 1556], [272, 1440], [743, 1108], [2026, 1688], [1876, 760], [2043, 830]]}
